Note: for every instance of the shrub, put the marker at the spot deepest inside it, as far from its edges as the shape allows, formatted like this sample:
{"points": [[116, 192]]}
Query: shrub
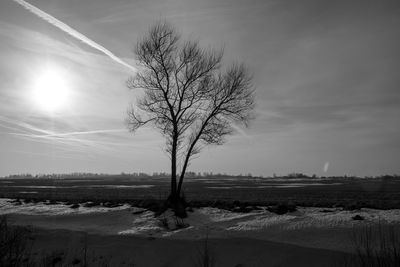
{"points": [[90, 204], [13, 243], [282, 209], [377, 246], [358, 217]]}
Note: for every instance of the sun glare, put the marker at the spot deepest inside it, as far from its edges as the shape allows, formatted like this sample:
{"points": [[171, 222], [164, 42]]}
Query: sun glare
{"points": [[51, 92]]}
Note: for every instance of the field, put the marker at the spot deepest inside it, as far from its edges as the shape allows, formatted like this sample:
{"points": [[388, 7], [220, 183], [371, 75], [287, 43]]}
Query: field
{"points": [[381, 193], [113, 220]]}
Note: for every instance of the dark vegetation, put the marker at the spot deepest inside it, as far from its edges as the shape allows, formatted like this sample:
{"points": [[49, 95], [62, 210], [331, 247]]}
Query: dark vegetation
{"points": [[17, 250], [14, 244], [374, 246]]}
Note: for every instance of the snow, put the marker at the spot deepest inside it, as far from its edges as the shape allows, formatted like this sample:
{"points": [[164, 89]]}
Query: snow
{"points": [[219, 221], [261, 222], [82, 186], [220, 215], [144, 223], [41, 208], [310, 217], [269, 185], [124, 186]]}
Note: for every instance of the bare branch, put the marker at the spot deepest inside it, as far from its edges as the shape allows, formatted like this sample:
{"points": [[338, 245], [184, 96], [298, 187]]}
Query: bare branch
{"points": [[134, 121], [186, 97]]}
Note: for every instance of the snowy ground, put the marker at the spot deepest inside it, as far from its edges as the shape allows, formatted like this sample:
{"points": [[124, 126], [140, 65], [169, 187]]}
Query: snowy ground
{"points": [[257, 237], [226, 223], [213, 220], [8, 206]]}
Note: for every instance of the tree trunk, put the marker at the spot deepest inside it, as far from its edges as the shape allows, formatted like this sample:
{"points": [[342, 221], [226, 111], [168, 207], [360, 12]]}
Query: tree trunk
{"points": [[189, 154], [182, 176], [173, 193], [174, 200], [173, 197]]}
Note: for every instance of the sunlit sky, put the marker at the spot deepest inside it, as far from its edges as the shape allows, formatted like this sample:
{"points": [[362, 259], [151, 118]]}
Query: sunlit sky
{"points": [[326, 75]]}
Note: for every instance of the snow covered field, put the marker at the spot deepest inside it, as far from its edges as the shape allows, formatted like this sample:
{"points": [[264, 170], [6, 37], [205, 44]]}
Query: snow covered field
{"points": [[8, 206], [215, 221]]}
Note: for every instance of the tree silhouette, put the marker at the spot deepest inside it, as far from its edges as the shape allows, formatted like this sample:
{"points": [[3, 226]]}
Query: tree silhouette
{"points": [[186, 96]]}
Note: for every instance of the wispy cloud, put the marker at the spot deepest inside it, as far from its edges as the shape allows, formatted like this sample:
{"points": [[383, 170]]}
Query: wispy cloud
{"points": [[74, 33], [79, 133], [71, 141]]}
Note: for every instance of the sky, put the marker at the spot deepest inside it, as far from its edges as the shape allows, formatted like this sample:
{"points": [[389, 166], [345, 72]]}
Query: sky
{"points": [[326, 75]]}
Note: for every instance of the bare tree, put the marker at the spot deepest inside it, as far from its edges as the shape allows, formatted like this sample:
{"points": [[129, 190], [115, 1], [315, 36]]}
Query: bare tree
{"points": [[187, 97]]}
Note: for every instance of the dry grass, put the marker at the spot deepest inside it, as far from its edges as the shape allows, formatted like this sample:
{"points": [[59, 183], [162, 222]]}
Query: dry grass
{"points": [[16, 245], [374, 246]]}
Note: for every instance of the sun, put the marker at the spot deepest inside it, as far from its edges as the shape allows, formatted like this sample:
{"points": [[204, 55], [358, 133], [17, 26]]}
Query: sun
{"points": [[51, 91]]}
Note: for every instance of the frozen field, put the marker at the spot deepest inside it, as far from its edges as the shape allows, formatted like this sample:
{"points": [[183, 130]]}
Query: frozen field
{"points": [[257, 238], [378, 193], [218, 222]]}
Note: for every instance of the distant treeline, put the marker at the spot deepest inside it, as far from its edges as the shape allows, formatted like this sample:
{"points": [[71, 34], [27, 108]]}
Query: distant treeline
{"points": [[138, 175]]}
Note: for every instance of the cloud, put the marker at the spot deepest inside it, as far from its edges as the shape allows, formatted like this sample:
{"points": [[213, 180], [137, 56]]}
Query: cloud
{"points": [[17, 41], [66, 28], [81, 133], [64, 136]]}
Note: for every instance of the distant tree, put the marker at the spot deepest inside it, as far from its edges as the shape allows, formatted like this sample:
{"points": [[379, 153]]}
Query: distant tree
{"points": [[187, 97]]}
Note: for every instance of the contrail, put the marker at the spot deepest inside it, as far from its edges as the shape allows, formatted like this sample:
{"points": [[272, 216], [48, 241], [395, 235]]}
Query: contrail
{"points": [[326, 166], [74, 33]]}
